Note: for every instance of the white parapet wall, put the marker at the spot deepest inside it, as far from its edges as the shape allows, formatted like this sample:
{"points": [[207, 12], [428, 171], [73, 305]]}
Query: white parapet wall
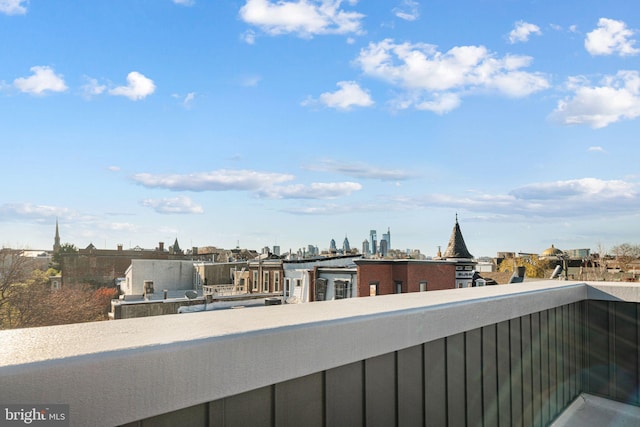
{"points": [[112, 373]]}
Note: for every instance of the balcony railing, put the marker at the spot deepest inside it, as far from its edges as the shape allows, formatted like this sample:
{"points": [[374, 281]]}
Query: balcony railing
{"points": [[493, 356], [223, 290]]}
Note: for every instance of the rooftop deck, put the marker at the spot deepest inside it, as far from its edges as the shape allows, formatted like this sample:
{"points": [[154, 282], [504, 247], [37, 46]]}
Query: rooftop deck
{"points": [[500, 355]]}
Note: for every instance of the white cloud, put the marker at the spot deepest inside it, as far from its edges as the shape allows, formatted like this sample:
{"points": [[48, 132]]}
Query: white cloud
{"points": [[92, 88], [250, 81], [559, 199], [361, 170], [13, 7], [184, 2], [349, 95], [249, 37], [187, 101], [316, 190], [219, 180], [261, 184], [597, 149], [44, 79], [16, 211], [138, 87], [305, 18], [174, 205], [408, 10], [436, 80], [521, 32], [441, 103], [616, 98], [609, 38]]}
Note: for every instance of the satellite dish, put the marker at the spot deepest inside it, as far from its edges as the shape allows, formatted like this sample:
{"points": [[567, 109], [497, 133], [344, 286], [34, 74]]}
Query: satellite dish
{"points": [[191, 294]]}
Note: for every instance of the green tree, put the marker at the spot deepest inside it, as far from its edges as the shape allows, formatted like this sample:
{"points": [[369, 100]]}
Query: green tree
{"points": [[56, 259], [535, 267]]}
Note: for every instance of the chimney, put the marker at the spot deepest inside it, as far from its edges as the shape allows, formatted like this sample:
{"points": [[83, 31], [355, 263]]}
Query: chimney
{"points": [[161, 246], [120, 247]]}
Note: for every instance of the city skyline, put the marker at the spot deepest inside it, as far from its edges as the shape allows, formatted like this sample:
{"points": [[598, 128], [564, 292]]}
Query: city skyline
{"points": [[294, 122]]}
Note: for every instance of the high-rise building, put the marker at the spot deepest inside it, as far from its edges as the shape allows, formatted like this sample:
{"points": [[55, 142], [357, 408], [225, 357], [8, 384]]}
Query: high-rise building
{"points": [[332, 246], [366, 251], [387, 237], [374, 241], [345, 245], [276, 250], [384, 248]]}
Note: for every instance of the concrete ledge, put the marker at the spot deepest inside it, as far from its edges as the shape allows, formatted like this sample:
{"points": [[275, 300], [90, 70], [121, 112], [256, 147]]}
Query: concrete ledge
{"points": [[588, 410], [116, 372]]}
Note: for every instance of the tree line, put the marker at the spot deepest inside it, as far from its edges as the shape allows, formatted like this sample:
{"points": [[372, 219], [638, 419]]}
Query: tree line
{"points": [[27, 300]]}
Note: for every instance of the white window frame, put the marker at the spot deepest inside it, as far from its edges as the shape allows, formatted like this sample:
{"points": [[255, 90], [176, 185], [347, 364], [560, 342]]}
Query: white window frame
{"points": [[276, 281]]}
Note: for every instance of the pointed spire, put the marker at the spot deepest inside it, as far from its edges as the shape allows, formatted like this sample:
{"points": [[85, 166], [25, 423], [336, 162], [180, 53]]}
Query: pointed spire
{"points": [[56, 240], [457, 248]]}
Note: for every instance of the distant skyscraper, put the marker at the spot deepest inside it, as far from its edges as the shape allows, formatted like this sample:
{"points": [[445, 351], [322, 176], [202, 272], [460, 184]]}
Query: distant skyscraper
{"points": [[332, 246], [384, 247], [366, 251], [345, 245], [374, 241], [276, 250], [387, 237]]}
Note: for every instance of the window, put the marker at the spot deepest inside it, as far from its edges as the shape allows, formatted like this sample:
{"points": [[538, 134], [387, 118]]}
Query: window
{"points": [[423, 286], [265, 281], [298, 282], [373, 288], [255, 280], [342, 289], [287, 286], [276, 281], [398, 286], [321, 289]]}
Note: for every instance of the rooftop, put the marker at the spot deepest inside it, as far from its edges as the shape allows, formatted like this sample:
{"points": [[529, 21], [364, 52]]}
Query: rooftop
{"points": [[387, 351]]}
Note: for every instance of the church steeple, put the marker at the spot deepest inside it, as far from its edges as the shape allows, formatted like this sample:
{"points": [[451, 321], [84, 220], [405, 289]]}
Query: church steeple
{"points": [[56, 240], [457, 248]]}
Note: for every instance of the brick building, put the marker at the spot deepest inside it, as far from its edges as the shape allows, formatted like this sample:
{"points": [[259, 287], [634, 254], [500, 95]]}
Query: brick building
{"points": [[394, 276]]}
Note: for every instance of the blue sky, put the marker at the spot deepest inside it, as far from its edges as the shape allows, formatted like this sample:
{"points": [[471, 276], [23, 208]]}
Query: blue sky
{"points": [[294, 122]]}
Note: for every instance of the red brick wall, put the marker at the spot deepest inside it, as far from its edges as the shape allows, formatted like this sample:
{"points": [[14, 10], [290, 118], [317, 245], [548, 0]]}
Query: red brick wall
{"points": [[437, 275]]}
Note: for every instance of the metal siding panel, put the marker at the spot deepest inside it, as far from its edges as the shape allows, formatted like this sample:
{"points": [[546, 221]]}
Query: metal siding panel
{"points": [[504, 375], [598, 347], [300, 401], [516, 371], [456, 392], [489, 376], [410, 387], [626, 368], [536, 371], [553, 379], [566, 358], [527, 372], [559, 362], [435, 382], [473, 356], [380, 390], [193, 416], [344, 395], [545, 400], [253, 408], [571, 356]]}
